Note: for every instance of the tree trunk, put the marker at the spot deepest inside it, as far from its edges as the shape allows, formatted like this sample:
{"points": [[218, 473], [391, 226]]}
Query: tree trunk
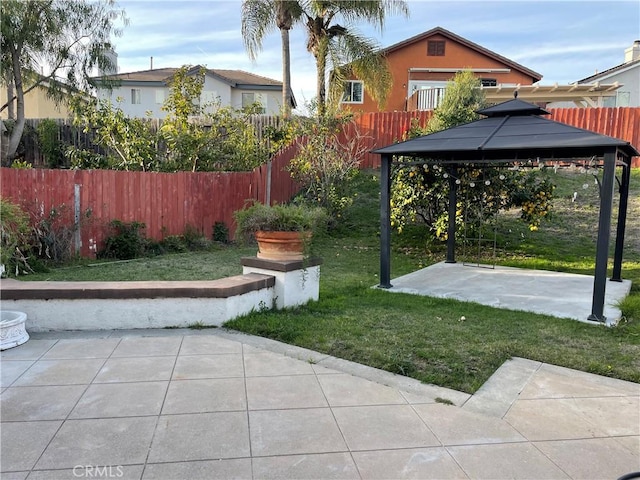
{"points": [[11, 114], [321, 69], [18, 127], [286, 74]]}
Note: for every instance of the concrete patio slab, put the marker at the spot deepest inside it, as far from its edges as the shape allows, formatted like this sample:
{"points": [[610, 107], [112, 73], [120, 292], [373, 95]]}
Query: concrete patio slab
{"points": [[563, 295], [185, 404]]}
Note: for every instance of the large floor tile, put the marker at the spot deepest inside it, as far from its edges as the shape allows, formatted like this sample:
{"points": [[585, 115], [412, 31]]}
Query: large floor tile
{"points": [[505, 461], [10, 370], [119, 472], [205, 395], [147, 347], [32, 350], [557, 419], [61, 372], [454, 426], [138, 369], [231, 469], [39, 403], [209, 345], [419, 464], [202, 436], [289, 432], [22, 443], [121, 400], [383, 427], [614, 415], [595, 458], [294, 391], [551, 381], [81, 348], [271, 364], [108, 441], [208, 366], [630, 443], [348, 390], [323, 466]]}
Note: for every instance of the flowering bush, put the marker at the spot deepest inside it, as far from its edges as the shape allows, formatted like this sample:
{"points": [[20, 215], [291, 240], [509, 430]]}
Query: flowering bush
{"points": [[420, 193]]}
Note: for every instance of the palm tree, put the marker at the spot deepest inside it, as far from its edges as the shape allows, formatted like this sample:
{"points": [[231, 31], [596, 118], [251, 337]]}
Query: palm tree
{"points": [[259, 17], [343, 48]]}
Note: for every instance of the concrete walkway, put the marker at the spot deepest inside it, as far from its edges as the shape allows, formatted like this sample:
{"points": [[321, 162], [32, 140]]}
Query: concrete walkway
{"points": [[182, 404]]}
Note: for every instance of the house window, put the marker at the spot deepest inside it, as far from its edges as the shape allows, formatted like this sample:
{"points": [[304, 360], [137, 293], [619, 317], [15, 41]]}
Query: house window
{"points": [[435, 48], [135, 96], [352, 92], [489, 82], [159, 96], [249, 100]]}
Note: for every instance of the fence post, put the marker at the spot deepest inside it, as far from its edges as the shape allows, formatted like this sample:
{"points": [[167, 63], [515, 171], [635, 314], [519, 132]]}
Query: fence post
{"points": [[77, 239]]}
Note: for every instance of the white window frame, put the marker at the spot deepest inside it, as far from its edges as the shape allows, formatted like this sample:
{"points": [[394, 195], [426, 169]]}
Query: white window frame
{"points": [[160, 96], [136, 96], [256, 98], [349, 91]]}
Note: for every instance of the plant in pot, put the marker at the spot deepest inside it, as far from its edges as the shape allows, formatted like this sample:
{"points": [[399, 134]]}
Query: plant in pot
{"points": [[283, 232]]}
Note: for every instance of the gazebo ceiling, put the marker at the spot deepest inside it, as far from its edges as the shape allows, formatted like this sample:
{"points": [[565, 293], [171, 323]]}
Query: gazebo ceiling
{"points": [[513, 130]]}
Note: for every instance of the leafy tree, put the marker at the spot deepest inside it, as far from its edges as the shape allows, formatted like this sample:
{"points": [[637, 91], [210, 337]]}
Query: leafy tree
{"points": [[259, 17], [335, 45], [327, 160], [69, 38], [420, 193], [131, 143], [193, 136]]}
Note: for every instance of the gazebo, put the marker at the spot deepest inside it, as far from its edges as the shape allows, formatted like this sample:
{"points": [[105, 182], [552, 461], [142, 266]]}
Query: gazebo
{"points": [[515, 132]]}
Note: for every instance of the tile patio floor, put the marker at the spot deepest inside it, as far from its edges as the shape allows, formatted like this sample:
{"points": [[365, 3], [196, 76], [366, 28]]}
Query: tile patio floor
{"points": [[181, 404]]}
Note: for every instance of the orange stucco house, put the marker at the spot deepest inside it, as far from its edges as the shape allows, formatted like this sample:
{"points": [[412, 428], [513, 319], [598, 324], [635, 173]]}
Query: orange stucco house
{"points": [[422, 65]]}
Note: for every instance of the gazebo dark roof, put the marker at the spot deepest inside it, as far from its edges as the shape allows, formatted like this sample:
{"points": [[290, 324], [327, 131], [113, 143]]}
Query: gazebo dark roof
{"points": [[511, 132]]}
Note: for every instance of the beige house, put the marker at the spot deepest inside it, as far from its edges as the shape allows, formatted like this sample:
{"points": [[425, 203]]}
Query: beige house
{"points": [[37, 105]]}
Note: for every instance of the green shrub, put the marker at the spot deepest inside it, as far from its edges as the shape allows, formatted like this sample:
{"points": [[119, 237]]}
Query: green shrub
{"points": [[49, 141], [173, 244], [15, 239], [125, 241], [220, 232], [194, 239]]}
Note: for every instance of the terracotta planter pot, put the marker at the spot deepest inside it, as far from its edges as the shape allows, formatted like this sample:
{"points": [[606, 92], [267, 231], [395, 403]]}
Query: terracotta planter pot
{"points": [[281, 245]]}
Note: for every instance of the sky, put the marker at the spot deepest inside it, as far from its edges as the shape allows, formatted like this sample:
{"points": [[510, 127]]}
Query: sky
{"points": [[564, 41]]}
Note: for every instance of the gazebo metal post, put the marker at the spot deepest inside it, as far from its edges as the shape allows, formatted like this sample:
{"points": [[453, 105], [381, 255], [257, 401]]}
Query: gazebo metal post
{"points": [[451, 230], [385, 222], [622, 220], [604, 232]]}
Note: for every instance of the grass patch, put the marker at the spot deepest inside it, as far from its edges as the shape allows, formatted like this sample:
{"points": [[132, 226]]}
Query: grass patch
{"points": [[422, 337]]}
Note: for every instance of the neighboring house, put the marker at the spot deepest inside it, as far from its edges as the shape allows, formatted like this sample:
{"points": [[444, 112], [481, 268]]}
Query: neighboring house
{"points": [[37, 104], [625, 76], [145, 91], [422, 65]]}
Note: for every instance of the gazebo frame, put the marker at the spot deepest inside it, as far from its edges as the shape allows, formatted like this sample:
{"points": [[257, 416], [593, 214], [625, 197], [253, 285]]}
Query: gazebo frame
{"points": [[514, 132]]}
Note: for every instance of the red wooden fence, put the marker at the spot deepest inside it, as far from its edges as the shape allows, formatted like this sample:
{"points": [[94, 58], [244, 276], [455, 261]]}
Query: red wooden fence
{"points": [[381, 129], [168, 202], [165, 202]]}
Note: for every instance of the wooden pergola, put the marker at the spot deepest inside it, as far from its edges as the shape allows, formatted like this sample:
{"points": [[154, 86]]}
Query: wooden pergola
{"points": [[514, 132]]}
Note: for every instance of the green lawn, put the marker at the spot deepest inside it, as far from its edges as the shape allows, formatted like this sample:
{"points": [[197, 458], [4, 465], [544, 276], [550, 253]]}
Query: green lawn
{"points": [[424, 337]]}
